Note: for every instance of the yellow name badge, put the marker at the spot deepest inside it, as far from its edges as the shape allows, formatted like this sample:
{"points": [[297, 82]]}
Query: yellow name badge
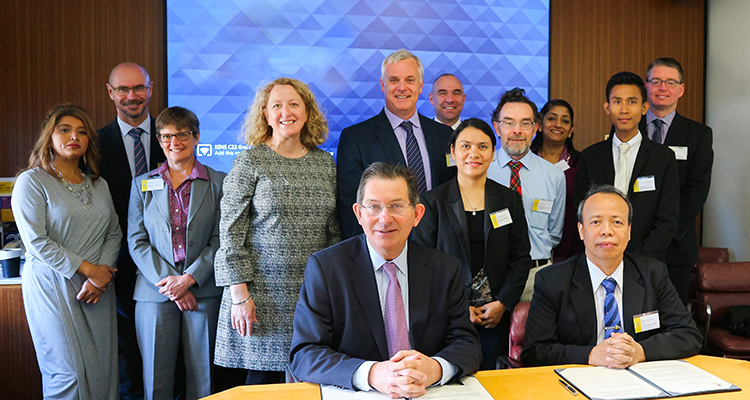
{"points": [[148, 185], [646, 321], [501, 218]]}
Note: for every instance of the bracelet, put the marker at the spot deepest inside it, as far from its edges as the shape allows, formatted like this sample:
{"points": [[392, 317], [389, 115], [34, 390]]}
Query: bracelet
{"points": [[243, 301]]}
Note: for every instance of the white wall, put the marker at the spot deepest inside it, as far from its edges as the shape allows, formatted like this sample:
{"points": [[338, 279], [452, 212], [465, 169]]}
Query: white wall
{"points": [[727, 212]]}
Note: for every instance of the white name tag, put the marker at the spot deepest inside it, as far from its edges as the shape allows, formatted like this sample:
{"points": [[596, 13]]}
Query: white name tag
{"points": [[646, 321], [449, 161], [541, 205], [680, 152], [501, 218], [148, 185], [644, 184], [563, 165]]}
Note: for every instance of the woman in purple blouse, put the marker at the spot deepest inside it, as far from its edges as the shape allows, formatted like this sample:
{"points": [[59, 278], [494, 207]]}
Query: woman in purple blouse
{"points": [[554, 143], [173, 235]]}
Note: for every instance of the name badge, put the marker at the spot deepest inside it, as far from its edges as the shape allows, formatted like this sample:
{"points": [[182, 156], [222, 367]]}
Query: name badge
{"points": [[148, 185], [449, 161], [644, 184], [646, 321], [501, 218], [563, 165], [680, 152], [541, 205]]}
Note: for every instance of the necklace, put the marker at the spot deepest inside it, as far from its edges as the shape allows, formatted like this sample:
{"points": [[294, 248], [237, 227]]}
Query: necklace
{"points": [[83, 193]]}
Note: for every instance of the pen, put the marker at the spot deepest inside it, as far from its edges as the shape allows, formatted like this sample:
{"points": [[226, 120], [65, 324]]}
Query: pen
{"points": [[568, 387]]}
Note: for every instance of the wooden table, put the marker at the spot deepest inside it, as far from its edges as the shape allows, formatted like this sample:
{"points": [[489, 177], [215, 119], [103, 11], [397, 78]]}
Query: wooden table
{"points": [[522, 384]]}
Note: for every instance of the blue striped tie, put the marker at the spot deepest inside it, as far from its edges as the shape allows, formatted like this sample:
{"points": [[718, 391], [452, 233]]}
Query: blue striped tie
{"points": [[138, 151], [611, 312], [414, 156]]}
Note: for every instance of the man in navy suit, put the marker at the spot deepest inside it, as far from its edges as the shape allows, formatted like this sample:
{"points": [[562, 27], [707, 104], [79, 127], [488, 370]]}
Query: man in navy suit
{"points": [[691, 142], [630, 161], [381, 312], [130, 88], [389, 136], [606, 307]]}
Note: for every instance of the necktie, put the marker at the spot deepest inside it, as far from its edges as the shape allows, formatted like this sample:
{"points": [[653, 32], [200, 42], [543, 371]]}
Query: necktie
{"points": [[414, 156], [396, 331], [515, 179], [621, 172], [611, 312], [138, 152], [658, 136]]}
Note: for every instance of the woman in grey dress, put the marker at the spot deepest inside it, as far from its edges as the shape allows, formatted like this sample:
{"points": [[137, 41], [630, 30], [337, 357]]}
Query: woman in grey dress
{"points": [[278, 208], [69, 227]]}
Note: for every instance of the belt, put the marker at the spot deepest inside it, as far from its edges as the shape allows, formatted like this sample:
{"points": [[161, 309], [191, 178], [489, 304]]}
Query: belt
{"points": [[539, 263]]}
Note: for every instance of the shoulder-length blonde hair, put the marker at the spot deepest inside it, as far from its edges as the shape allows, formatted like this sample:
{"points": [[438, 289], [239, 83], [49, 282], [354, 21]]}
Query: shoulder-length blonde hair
{"points": [[255, 129], [43, 155]]}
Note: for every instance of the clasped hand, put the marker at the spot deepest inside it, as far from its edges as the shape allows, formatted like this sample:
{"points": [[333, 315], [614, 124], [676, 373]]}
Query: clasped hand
{"points": [[407, 374], [619, 351]]}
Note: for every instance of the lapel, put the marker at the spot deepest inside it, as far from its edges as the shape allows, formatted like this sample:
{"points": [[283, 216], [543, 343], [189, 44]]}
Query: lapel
{"points": [[387, 138], [362, 276], [111, 139], [632, 294], [420, 282], [198, 191], [608, 161], [640, 161], [457, 216], [582, 299]]}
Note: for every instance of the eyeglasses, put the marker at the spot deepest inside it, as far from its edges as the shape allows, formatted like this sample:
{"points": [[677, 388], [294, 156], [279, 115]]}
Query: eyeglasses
{"points": [[374, 210], [671, 83], [181, 136], [140, 90], [525, 125]]}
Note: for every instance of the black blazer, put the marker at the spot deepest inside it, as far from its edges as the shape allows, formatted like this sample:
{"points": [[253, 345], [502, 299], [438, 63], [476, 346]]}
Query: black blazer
{"points": [[695, 181], [561, 326], [338, 322], [114, 167], [506, 249], [655, 213], [373, 140]]}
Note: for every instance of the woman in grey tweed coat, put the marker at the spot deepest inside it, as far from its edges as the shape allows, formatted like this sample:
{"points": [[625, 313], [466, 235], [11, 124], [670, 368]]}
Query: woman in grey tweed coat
{"points": [[278, 208]]}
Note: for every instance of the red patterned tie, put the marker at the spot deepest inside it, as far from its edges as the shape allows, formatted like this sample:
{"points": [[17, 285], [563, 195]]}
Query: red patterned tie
{"points": [[396, 331], [515, 180]]}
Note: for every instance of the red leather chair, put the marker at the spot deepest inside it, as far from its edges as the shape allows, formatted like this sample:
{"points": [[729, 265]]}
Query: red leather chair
{"points": [[720, 286], [517, 334]]}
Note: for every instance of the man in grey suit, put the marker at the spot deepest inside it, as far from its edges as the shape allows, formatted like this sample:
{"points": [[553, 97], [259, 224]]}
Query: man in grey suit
{"points": [[606, 307], [381, 312], [398, 135], [130, 88]]}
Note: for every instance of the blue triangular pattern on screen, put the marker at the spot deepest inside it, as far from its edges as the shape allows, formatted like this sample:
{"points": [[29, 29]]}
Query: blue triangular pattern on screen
{"points": [[219, 52]]}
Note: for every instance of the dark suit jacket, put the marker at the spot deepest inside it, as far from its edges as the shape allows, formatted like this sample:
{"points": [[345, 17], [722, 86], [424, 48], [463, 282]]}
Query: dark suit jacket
{"points": [[338, 323], [115, 169], [695, 181], [561, 326], [373, 140], [655, 212], [506, 249]]}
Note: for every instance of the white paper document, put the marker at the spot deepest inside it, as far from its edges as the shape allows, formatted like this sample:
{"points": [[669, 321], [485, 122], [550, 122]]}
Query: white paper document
{"points": [[470, 390]]}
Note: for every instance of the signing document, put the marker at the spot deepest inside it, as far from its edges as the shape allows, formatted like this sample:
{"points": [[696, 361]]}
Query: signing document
{"points": [[646, 380], [469, 389]]}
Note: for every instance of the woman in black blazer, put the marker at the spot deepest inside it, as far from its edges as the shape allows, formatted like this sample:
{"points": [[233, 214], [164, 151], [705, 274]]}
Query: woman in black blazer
{"points": [[482, 223]]}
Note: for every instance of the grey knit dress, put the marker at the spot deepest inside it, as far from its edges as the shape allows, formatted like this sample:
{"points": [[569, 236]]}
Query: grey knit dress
{"points": [[275, 213]]}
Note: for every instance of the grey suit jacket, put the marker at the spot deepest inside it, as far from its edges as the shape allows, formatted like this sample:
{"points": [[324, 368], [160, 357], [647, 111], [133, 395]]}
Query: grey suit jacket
{"points": [[561, 326], [150, 237], [338, 322]]}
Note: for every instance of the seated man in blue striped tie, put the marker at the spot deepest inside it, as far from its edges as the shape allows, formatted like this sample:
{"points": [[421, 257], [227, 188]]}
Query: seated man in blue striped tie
{"points": [[605, 307]]}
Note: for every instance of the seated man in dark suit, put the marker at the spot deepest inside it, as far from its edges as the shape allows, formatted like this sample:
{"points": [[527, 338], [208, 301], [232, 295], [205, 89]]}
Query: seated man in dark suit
{"points": [[398, 135], [645, 171], [381, 312], [605, 307]]}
